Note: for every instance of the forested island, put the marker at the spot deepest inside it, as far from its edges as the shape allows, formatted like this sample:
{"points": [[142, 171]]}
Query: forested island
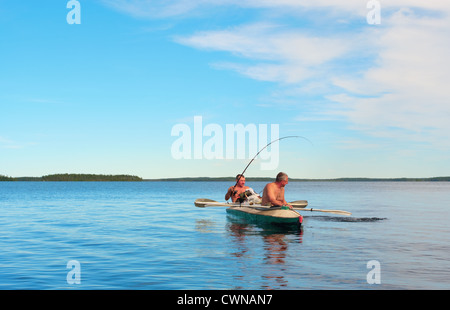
{"points": [[131, 178], [5, 178], [66, 177]]}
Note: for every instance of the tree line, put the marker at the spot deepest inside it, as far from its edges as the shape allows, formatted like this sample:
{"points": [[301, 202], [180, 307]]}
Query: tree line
{"points": [[5, 178], [67, 177], [131, 178]]}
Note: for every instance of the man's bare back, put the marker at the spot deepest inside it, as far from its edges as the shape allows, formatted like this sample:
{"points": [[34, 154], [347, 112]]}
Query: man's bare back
{"points": [[273, 194]]}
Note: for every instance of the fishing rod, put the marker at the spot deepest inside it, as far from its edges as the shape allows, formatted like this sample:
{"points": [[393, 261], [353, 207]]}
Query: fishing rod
{"points": [[279, 139]]}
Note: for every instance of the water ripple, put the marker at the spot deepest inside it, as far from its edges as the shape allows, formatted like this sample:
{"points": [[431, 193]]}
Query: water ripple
{"points": [[150, 236]]}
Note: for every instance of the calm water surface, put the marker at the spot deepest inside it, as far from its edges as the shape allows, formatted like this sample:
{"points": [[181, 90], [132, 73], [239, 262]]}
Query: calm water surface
{"points": [[150, 235]]}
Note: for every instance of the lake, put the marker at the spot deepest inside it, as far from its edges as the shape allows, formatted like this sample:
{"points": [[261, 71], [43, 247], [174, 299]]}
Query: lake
{"points": [[149, 235]]}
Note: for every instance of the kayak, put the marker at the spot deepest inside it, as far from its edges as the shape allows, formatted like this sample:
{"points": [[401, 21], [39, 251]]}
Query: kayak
{"points": [[297, 205], [258, 213], [266, 215]]}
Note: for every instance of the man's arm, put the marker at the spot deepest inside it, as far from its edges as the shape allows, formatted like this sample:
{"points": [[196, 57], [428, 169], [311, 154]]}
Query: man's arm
{"points": [[229, 193], [285, 203]]}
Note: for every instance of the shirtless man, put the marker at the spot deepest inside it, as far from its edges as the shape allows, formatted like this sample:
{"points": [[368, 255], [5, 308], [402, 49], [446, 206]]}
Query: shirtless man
{"points": [[238, 189], [273, 194]]}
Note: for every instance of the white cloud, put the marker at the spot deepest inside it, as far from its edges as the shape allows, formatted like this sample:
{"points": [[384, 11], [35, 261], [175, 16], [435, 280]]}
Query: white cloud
{"points": [[276, 54], [403, 86], [354, 143], [349, 8], [408, 87], [285, 73], [170, 8], [392, 75], [153, 8]]}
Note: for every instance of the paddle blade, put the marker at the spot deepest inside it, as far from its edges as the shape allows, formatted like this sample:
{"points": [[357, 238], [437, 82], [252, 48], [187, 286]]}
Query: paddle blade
{"points": [[340, 212], [336, 212], [299, 203], [202, 202]]}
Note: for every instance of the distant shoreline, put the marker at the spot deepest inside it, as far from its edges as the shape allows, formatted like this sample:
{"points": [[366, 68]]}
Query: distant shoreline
{"points": [[130, 178], [66, 177], [268, 179]]}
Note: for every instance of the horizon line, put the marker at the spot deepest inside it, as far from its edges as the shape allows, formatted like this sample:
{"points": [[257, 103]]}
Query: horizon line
{"points": [[227, 178]]}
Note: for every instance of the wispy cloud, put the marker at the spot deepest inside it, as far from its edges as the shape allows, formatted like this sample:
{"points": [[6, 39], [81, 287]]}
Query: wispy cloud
{"points": [[408, 86], [276, 53], [155, 8], [403, 83], [8, 144], [353, 143], [349, 8], [393, 75]]}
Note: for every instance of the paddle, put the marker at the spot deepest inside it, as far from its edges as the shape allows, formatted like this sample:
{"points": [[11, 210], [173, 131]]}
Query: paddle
{"points": [[298, 205], [327, 211], [201, 202]]}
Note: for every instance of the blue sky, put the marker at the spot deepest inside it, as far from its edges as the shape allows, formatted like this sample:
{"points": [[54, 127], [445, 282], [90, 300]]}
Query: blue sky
{"points": [[103, 96]]}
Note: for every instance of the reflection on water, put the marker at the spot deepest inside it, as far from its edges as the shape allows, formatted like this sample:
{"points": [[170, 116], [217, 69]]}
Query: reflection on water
{"points": [[237, 233], [204, 226], [268, 243], [276, 248]]}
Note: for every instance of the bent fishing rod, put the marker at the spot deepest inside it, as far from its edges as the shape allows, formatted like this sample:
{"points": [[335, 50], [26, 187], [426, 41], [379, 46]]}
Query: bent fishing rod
{"points": [[279, 139]]}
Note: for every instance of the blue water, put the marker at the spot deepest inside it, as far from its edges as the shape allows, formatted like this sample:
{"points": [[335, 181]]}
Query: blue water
{"points": [[149, 235]]}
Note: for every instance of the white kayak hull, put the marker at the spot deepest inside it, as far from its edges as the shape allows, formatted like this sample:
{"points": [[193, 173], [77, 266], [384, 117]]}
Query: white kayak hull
{"points": [[266, 215]]}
